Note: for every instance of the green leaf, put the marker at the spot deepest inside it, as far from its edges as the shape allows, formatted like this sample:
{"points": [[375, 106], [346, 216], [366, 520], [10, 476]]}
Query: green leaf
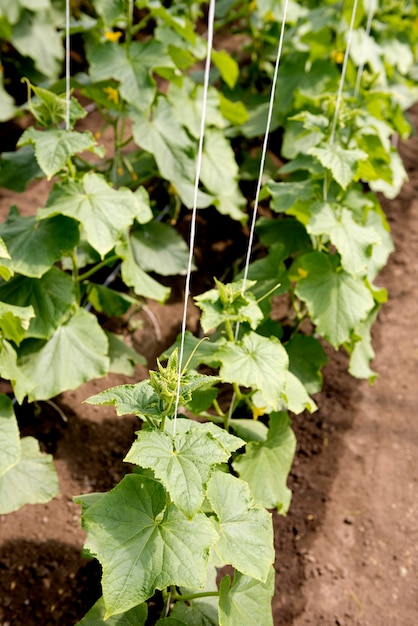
{"points": [[52, 298], [256, 362], [104, 212], [219, 171], [50, 109], [132, 67], [382, 251], [227, 67], [247, 601], [9, 370], [228, 303], [183, 463], [139, 399], [15, 321], [245, 530], [36, 246], [96, 616], [203, 354], [23, 161], [31, 480], [296, 396], [234, 112], [76, 353], [105, 300], [9, 435], [306, 358], [165, 138], [6, 264], [144, 544], [7, 104], [196, 613], [286, 195], [341, 162], [35, 35], [336, 301], [122, 357], [229, 442], [265, 465], [353, 242], [160, 249], [134, 276], [53, 148], [250, 429], [361, 349], [186, 101]]}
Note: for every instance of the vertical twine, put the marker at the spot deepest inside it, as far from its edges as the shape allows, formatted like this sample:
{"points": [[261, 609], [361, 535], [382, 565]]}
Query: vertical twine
{"points": [[211, 19]]}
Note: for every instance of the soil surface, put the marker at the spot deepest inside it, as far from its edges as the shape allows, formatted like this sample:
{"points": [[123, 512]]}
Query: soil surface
{"points": [[347, 552]]}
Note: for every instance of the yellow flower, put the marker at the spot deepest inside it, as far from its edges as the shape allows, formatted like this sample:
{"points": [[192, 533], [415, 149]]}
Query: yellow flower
{"points": [[302, 273], [112, 94], [112, 35], [337, 56], [258, 411]]}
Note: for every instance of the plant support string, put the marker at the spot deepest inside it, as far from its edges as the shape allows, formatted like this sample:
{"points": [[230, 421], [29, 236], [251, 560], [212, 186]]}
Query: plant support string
{"points": [[211, 19]]}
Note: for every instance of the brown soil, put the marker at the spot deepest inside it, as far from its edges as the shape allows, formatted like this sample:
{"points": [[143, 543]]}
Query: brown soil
{"points": [[347, 552]]}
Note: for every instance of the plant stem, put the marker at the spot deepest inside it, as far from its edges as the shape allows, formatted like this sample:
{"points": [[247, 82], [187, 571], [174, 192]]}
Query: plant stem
{"points": [[193, 596], [96, 268], [76, 276], [218, 409]]}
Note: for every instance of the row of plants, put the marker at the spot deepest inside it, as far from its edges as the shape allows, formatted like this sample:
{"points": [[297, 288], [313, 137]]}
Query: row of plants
{"points": [[198, 495]]}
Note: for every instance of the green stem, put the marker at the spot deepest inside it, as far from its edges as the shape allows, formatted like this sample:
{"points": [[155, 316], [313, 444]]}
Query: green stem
{"points": [[218, 409], [76, 276], [71, 169], [229, 332], [194, 596], [97, 267]]}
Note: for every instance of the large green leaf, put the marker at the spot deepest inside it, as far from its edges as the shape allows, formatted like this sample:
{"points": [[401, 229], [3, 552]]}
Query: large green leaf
{"points": [[245, 529], [256, 362], [96, 616], [144, 544], [159, 248], [9, 435], [166, 139], [361, 349], [341, 162], [134, 276], [336, 301], [139, 399], [53, 147], [51, 296], [265, 465], [247, 601], [103, 211], [7, 104], [132, 67], [186, 101], [286, 195], [22, 160], [122, 357], [76, 353], [183, 463], [35, 35], [31, 480], [36, 246], [306, 358], [219, 174], [353, 241]]}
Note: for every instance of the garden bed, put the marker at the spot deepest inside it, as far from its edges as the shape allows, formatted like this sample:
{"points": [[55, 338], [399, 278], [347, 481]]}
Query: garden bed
{"points": [[346, 553]]}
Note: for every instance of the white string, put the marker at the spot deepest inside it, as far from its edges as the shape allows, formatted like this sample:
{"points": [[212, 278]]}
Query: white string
{"points": [[67, 65], [263, 156], [260, 175], [363, 62], [343, 73], [211, 19]]}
